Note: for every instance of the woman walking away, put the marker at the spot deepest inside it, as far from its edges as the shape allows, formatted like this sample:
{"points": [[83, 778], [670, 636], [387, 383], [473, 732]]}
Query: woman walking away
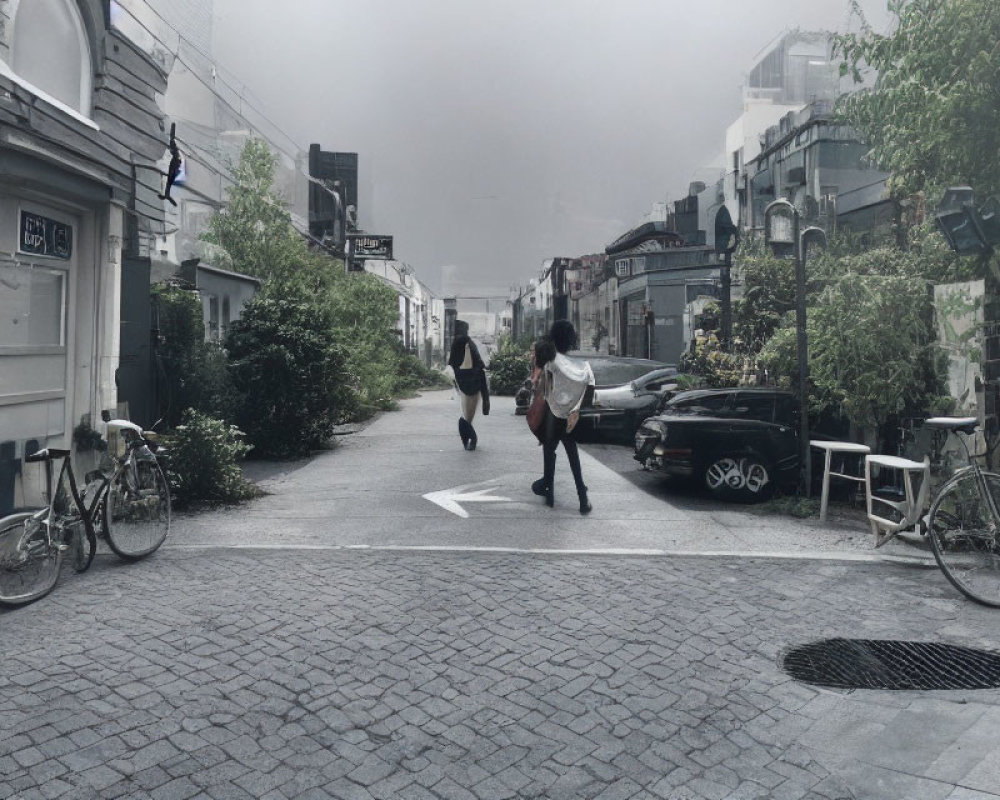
{"points": [[470, 380], [565, 382]]}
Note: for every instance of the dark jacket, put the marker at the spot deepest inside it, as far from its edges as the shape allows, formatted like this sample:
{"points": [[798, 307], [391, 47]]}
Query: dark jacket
{"points": [[470, 381]]}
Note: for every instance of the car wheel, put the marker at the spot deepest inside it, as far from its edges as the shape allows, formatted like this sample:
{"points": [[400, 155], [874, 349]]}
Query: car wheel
{"points": [[746, 479]]}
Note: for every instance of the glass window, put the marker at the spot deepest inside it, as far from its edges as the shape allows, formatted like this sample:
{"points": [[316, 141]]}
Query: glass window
{"points": [[784, 410], [32, 306], [704, 404], [755, 406], [842, 155], [50, 51]]}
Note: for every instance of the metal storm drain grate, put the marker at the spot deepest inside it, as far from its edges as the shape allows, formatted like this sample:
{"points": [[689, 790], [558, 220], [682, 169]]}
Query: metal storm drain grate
{"points": [[886, 664]]}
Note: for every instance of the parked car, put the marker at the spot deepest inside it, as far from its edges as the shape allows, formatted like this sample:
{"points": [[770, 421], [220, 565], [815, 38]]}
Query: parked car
{"points": [[627, 390], [742, 443]]}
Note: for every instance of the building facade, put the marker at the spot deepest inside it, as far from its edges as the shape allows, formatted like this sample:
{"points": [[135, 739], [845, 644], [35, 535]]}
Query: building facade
{"points": [[81, 133], [817, 164], [796, 69]]}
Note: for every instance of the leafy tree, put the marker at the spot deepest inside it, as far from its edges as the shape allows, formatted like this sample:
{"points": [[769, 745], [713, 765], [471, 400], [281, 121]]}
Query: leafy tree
{"points": [[932, 115], [364, 315], [768, 295], [288, 372], [360, 312], [872, 352], [714, 367], [254, 228]]}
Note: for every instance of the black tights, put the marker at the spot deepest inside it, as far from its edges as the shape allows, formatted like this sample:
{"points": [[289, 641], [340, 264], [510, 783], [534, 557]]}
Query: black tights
{"points": [[555, 432]]}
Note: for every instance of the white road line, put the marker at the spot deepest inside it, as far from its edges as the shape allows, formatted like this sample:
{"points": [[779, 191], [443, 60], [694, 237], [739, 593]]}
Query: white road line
{"points": [[602, 551]]}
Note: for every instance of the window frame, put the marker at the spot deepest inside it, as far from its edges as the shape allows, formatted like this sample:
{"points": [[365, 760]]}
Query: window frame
{"points": [[62, 271], [86, 66]]}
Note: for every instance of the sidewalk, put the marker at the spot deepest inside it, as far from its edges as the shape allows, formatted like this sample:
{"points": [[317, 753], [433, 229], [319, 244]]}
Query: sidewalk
{"points": [[374, 482]]}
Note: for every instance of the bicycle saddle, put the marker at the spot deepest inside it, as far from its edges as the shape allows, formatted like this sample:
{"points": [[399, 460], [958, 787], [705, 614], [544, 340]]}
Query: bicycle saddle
{"points": [[118, 424], [956, 424]]}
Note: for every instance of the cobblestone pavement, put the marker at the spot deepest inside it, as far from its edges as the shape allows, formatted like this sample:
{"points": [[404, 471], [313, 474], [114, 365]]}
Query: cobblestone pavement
{"points": [[350, 674]]}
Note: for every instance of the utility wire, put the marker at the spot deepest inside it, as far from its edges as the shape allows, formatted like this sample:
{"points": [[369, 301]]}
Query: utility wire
{"points": [[176, 53]]}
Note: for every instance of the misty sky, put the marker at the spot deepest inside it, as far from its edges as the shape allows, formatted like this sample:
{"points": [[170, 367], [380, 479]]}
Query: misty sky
{"points": [[493, 135]]}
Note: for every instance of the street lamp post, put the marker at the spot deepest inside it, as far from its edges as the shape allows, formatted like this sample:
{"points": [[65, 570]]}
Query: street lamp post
{"points": [[727, 237], [781, 233]]}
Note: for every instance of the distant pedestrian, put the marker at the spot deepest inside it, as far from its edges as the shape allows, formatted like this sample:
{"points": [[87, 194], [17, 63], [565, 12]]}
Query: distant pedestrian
{"points": [[470, 380], [565, 383]]}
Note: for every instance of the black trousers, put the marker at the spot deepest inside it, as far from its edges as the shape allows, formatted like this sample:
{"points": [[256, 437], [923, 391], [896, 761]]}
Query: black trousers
{"points": [[555, 432]]}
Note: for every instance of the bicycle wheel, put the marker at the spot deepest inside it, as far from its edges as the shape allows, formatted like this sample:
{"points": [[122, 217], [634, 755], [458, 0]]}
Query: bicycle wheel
{"points": [[964, 537], [29, 567], [136, 518], [81, 549]]}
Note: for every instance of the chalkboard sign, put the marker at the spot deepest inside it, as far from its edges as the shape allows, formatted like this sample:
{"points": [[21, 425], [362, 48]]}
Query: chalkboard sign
{"points": [[42, 236]]}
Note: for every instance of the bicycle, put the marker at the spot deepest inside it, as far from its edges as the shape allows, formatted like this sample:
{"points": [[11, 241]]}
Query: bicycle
{"points": [[130, 505], [964, 522]]}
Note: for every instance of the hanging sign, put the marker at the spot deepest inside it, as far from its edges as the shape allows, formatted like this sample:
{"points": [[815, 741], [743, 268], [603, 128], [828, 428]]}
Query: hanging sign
{"points": [[41, 236], [370, 245]]}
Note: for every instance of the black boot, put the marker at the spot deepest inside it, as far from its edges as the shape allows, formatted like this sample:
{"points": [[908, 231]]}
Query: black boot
{"points": [[538, 487], [464, 429], [472, 438], [585, 507], [550, 496]]}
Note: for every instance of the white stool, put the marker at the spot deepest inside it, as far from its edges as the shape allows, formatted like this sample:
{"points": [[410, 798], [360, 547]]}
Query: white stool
{"points": [[911, 508], [849, 448]]}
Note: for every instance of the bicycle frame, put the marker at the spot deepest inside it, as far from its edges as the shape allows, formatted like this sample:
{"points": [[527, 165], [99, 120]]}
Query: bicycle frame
{"points": [[53, 518]]}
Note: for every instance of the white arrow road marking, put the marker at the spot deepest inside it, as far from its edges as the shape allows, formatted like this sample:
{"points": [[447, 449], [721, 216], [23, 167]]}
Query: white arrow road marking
{"points": [[449, 499]]}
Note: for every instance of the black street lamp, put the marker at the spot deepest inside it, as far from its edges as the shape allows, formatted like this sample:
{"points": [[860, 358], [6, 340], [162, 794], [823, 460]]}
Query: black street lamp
{"points": [[783, 236], [727, 237]]}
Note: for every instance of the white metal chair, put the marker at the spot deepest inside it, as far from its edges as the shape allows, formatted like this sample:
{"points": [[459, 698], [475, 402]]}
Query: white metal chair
{"points": [[910, 509], [845, 449]]}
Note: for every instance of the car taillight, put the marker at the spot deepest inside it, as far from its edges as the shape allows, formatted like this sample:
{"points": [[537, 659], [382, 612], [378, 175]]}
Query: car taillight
{"points": [[683, 453]]}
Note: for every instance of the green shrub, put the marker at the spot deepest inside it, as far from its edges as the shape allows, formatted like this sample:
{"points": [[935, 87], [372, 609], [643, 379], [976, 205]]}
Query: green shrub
{"points": [[510, 365], [202, 455], [412, 375], [288, 373], [716, 368]]}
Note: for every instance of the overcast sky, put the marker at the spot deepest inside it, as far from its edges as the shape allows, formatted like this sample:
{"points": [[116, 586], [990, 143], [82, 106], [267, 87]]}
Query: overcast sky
{"points": [[494, 135]]}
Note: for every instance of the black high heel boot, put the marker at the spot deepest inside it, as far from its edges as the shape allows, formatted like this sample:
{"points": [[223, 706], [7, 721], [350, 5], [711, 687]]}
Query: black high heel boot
{"points": [[585, 507], [538, 487], [550, 496]]}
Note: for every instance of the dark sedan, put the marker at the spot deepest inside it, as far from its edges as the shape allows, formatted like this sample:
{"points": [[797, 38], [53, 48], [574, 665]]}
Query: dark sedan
{"points": [[741, 442]]}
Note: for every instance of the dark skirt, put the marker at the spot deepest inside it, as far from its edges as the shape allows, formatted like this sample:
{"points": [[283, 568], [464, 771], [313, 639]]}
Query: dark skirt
{"points": [[469, 380]]}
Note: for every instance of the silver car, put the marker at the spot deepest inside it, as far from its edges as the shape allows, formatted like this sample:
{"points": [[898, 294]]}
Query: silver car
{"points": [[627, 391]]}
